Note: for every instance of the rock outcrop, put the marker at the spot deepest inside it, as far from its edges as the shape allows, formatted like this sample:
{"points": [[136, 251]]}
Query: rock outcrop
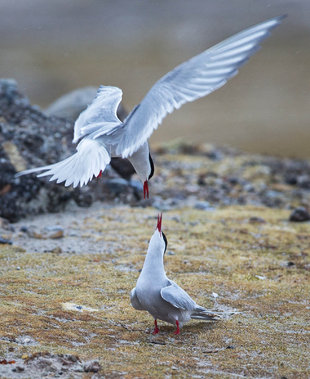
{"points": [[29, 138]]}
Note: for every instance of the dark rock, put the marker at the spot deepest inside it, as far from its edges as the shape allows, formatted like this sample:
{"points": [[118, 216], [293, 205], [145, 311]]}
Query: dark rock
{"points": [[5, 241], [5, 225], [203, 205], [117, 186], [300, 214], [214, 155], [291, 179], [290, 264], [29, 138], [303, 181], [233, 180], [19, 369], [123, 167], [126, 191], [92, 366], [84, 197], [256, 220]]}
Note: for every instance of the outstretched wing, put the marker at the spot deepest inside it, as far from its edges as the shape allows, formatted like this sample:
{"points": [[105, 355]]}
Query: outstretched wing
{"points": [[100, 115], [91, 158], [176, 296], [191, 80]]}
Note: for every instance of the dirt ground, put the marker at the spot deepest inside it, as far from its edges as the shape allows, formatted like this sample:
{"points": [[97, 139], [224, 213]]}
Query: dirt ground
{"points": [[65, 308]]}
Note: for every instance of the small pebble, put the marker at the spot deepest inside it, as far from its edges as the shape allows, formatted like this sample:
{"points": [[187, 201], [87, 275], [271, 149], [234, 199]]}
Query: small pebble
{"points": [[19, 369], [5, 241], [260, 277], [203, 205], [290, 264], [54, 232], [92, 366], [300, 214], [256, 220]]}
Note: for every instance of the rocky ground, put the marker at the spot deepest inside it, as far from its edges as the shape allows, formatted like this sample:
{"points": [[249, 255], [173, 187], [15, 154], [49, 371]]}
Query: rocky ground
{"points": [[65, 301], [238, 240]]}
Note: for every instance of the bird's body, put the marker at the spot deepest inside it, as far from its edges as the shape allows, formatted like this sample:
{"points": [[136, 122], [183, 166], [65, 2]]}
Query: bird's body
{"points": [[160, 296], [100, 134]]}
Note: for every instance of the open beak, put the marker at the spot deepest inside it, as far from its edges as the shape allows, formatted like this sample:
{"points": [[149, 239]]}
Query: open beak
{"points": [[159, 220], [145, 189]]}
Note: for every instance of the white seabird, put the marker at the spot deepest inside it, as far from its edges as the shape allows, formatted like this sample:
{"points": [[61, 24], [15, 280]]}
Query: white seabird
{"points": [[162, 297], [101, 135]]}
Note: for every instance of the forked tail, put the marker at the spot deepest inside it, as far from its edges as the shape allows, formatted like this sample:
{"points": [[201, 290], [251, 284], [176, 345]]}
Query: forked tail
{"points": [[201, 313], [90, 159]]}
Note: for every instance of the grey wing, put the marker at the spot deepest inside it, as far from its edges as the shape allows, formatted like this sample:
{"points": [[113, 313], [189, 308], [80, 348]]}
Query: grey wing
{"points": [[176, 296], [135, 301], [101, 115], [189, 81]]}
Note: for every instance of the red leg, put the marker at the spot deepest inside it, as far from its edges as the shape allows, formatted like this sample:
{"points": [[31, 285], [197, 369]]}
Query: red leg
{"points": [[100, 174], [178, 328], [156, 329]]}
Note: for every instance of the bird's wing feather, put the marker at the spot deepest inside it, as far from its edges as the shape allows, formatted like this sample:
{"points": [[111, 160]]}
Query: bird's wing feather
{"points": [[176, 296], [135, 301], [189, 81], [101, 115], [91, 158]]}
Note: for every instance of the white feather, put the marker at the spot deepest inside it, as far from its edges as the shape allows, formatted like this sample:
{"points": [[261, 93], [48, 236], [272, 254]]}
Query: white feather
{"points": [[189, 81], [101, 114], [91, 158]]}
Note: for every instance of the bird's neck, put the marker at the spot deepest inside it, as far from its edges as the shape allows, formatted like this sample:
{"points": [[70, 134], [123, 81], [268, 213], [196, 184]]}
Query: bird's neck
{"points": [[154, 264], [140, 161]]}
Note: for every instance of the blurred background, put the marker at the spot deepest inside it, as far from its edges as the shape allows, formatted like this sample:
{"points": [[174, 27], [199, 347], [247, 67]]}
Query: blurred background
{"points": [[54, 47]]}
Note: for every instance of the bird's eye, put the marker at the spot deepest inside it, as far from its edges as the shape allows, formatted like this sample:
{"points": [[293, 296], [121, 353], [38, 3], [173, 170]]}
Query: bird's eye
{"points": [[166, 242], [152, 167]]}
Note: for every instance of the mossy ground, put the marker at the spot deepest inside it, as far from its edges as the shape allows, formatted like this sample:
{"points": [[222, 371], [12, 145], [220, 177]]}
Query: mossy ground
{"points": [[259, 268]]}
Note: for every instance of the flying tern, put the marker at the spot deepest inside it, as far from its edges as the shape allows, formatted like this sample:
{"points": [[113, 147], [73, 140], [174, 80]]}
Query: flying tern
{"points": [[100, 134], [160, 296]]}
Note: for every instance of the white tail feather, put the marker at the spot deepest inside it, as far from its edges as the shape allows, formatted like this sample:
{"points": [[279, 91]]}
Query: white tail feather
{"points": [[91, 158]]}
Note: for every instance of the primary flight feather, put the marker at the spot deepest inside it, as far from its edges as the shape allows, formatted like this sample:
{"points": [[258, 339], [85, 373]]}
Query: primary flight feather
{"points": [[101, 135]]}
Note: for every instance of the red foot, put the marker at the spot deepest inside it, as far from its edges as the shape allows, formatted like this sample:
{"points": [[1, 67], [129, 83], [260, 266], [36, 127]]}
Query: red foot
{"points": [[156, 329], [178, 328], [100, 174]]}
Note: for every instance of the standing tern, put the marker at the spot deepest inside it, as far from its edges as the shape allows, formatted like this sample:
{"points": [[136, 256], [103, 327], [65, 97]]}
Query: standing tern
{"points": [[160, 296], [100, 134]]}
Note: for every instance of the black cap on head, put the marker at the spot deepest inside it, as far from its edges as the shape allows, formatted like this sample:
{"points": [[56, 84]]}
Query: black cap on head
{"points": [[152, 167], [166, 242]]}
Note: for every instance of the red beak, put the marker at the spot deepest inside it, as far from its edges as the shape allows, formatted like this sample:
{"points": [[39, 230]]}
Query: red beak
{"points": [[159, 220], [145, 189]]}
